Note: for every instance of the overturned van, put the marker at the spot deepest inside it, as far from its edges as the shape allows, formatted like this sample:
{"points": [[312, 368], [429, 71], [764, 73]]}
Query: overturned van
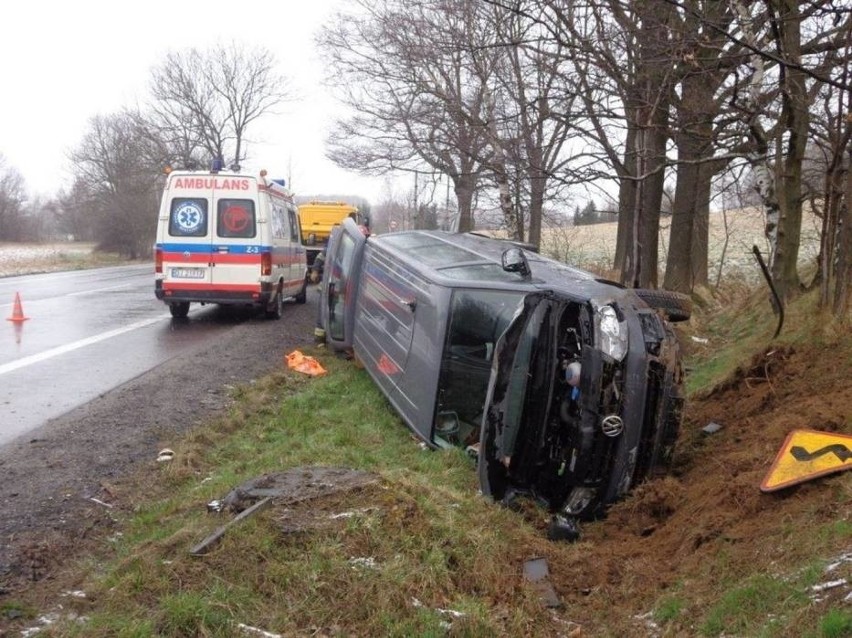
{"points": [[567, 388], [228, 238]]}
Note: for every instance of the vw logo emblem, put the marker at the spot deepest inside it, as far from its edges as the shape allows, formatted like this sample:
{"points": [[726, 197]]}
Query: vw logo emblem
{"points": [[612, 425], [186, 254]]}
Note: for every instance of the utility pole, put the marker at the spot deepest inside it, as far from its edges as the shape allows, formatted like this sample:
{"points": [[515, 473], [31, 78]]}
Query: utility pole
{"points": [[416, 175]]}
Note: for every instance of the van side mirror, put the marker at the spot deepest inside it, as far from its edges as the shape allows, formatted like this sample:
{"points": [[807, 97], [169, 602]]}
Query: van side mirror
{"points": [[514, 260]]}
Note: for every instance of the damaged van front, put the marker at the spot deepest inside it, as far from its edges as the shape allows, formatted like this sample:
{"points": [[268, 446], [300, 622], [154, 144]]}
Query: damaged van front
{"points": [[583, 402]]}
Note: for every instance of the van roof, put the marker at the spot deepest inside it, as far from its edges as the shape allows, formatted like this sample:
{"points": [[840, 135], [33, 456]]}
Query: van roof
{"points": [[466, 259]]}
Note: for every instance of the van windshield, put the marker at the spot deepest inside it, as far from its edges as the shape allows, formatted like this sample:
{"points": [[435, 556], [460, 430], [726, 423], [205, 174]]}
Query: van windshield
{"points": [[477, 319]]}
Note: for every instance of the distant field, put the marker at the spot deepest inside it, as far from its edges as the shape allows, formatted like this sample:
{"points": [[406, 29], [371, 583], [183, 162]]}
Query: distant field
{"points": [[590, 247], [593, 247], [22, 259]]}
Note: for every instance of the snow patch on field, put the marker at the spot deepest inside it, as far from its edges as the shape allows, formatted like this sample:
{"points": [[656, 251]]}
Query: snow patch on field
{"points": [[24, 259], [730, 241]]}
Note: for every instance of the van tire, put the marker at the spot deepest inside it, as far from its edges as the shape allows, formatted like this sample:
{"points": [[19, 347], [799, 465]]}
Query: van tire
{"points": [[179, 309], [302, 295], [676, 305], [275, 308]]}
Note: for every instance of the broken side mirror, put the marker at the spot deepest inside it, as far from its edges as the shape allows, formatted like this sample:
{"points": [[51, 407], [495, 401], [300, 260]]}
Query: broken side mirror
{"points": [[514, 260]]}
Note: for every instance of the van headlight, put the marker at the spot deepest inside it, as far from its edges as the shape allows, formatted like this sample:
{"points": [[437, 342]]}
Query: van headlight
{"points": [[612, 333]]}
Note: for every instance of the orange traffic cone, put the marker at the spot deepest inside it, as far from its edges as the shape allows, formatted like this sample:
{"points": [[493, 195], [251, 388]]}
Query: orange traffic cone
{"points": [[17, 311]]}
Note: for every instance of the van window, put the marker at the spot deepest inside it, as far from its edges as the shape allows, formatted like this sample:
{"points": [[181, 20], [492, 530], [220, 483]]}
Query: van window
{"points": [[188, 217], [279, 222], [430, 250], [482, 272], [294, 232], [235, 218]]}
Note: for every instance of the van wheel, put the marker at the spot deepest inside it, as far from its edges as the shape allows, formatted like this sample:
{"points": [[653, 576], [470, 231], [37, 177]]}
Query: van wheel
{"points": [[302, 295], [677, 306], [275, 308], [179, 309]]}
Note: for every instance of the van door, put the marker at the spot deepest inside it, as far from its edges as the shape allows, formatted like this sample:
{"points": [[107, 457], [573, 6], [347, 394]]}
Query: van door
{"points": [[340, 284], [296, 254], [186, 240], [236, 243]]}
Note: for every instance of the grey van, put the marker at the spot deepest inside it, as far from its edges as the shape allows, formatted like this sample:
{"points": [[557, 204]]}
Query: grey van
{"points": [[567, 388]]}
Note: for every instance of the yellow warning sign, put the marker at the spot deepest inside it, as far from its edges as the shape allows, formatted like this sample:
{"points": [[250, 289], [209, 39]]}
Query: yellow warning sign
{"points": [[807, 454]]}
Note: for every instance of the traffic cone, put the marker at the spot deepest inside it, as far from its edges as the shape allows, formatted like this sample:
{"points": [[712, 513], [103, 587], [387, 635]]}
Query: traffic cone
{"points": [[17, 311]]}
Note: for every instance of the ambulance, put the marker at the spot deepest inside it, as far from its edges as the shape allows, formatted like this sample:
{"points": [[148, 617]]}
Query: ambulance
{"points": [[228, 238]]}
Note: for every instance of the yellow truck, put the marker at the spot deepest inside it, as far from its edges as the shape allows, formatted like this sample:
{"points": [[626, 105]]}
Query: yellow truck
{"points": [[318, 218]]}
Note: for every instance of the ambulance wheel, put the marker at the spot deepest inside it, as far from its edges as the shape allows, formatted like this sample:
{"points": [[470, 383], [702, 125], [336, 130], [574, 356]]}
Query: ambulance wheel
{"points": [[275, 308], [179, 309], [302, 295]]}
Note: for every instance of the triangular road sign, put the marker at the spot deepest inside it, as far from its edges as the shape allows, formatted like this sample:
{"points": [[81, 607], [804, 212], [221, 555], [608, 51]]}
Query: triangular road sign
{"points": [[807, 454]]}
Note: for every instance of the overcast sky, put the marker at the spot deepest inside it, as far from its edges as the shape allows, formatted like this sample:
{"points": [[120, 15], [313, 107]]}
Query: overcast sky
{"points": [[64, 63]]}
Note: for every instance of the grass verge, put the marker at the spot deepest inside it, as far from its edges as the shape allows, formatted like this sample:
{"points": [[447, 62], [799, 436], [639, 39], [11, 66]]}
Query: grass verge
{"points": [[420, 553]]}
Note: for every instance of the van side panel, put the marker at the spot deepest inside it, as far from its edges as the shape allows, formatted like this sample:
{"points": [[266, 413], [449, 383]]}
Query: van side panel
{"points": [[396, 336]]}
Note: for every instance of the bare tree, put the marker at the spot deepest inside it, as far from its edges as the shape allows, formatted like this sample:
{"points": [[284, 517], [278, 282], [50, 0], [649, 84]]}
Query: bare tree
{"points": [[465, 87], [538, 101], [208, 99], [402, 68], [122, 188], [12, 200], [72, 211]]}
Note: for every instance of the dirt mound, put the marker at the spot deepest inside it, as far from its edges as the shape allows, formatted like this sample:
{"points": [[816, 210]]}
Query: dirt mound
{"points": [[666, 533]]}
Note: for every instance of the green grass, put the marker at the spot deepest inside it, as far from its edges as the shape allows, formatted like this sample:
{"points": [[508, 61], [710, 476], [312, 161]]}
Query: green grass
{"points": [[741, 324], [423, 554], [837, 623], [415, 551], [752, 604]]}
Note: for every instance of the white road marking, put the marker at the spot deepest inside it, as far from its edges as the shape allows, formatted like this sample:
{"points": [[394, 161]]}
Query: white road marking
{"points": [[76, 345], [89, 292]]}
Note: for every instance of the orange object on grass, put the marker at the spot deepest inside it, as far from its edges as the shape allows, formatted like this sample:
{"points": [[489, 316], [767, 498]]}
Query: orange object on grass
{"points": [[307, 365]]}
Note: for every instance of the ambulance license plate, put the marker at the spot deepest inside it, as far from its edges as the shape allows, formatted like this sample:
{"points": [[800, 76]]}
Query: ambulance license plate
{"points": [[188, 273]]}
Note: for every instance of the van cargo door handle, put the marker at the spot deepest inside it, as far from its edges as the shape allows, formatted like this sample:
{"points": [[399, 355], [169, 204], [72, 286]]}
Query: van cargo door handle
{"points": [[411, 303]]}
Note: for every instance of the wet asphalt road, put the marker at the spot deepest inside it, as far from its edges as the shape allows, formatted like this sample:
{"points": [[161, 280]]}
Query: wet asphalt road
{"points": [[87, 332]]}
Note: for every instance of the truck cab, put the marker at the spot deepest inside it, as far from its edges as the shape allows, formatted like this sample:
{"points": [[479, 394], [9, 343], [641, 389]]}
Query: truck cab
{"points": [[319, 218]]}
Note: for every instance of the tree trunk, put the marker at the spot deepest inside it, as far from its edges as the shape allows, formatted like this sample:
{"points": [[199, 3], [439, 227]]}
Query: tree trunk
{"points": [[843, 283], [501, 174], [463, 186], [686, 266], [795, 116], [626, 207], [538, 183], [648, 259], [651, 99]]}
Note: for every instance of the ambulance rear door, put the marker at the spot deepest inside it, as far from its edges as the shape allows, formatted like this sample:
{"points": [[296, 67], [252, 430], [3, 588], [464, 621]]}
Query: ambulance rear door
{"points": [[236, 243], [187, 236]]}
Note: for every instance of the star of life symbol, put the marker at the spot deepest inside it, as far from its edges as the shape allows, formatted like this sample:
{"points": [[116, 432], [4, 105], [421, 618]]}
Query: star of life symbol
{"points": [[189, 217]]}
